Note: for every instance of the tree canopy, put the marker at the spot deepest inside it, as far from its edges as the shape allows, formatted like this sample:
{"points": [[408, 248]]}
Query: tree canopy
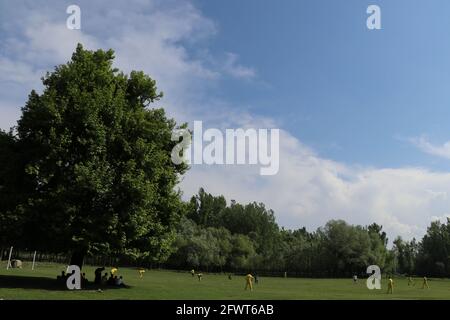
{"points": [[95, 163]]}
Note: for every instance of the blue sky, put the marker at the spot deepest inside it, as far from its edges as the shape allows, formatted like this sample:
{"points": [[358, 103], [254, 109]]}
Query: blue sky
{"points": [[363, 113], [353, 94]]}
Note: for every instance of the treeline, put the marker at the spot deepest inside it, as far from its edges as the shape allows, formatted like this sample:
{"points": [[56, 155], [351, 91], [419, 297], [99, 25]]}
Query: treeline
{"points": [[430, 256], [214, 236]]}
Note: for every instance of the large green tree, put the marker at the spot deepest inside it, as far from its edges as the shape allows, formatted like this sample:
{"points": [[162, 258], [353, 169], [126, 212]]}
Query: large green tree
{"points": [[98, 163], [12, 189], [434, 250]]}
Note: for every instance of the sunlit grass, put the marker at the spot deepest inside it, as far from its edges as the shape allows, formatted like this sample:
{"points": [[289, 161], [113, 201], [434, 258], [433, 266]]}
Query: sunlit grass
{"points": [[160, 284]]}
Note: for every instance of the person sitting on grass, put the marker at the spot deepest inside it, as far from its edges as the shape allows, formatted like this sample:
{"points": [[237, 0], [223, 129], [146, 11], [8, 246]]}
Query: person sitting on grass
{"points": [[84, 280], [62, 276], [98, 275], [110, 281], [119, 282], [104, 279]]}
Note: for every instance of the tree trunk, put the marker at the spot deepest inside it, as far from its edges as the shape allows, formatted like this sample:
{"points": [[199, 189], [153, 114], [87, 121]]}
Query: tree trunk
{"points": [[78, 257]]}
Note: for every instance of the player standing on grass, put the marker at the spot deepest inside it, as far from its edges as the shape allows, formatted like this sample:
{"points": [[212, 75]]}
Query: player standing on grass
{"points": [[249, 282], [425, 283], [390, 285]]}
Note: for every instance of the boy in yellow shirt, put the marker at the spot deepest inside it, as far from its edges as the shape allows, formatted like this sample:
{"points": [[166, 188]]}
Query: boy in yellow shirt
{"points": [[390, 285], [249, 282]]}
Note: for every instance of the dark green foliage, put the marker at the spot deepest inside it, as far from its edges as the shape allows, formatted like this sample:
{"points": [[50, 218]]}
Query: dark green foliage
{"points": [[246, 237], [434, 251], [97, 163]]}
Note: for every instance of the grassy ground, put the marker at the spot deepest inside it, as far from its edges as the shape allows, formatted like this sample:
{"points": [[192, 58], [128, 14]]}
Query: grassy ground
{"points": [[166, 285]]}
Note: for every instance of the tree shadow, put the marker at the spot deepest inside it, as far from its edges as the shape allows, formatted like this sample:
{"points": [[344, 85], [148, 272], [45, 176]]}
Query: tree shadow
{"points": [[26, 282], [43, 283]]}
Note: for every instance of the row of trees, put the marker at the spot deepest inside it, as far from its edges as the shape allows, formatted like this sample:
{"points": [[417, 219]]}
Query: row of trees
{"points": [[239, 237], [214, 236], [429, 256], [87, 171]]}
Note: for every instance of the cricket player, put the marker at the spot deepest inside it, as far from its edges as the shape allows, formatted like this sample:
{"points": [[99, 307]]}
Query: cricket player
{"points": [[193, 273], [199, 275], [113, 271], [425, 283], [141, 272], [410, 281], [390, 285], [249, 282]]}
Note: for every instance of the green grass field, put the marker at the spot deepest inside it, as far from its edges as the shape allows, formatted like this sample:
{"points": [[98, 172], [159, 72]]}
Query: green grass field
{"points": [[166, 285]]}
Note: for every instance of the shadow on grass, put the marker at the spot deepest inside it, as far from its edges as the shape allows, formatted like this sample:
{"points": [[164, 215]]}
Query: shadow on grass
{"points": [[43, 283], [24, 282]]}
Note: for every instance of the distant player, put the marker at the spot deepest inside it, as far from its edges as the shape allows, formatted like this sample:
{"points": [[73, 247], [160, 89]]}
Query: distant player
{"points": [[141, 272], [256, 278], [193, 273], [249, 282], [390, 285], [355, 279], [230, 277], [199, 275], [425, 283], [411, 281]]}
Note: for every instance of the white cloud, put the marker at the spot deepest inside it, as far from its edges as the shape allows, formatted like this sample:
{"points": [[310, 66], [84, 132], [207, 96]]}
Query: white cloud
{"points": [[437, 150], [310, 190], [151, 36], [232, 68], [441, 219]]}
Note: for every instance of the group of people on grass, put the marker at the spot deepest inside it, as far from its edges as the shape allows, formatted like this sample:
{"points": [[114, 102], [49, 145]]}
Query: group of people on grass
{"points": [[111, 279], [108, 280], [410, 283], [390, 289], [249, 278], [62, 278]]}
